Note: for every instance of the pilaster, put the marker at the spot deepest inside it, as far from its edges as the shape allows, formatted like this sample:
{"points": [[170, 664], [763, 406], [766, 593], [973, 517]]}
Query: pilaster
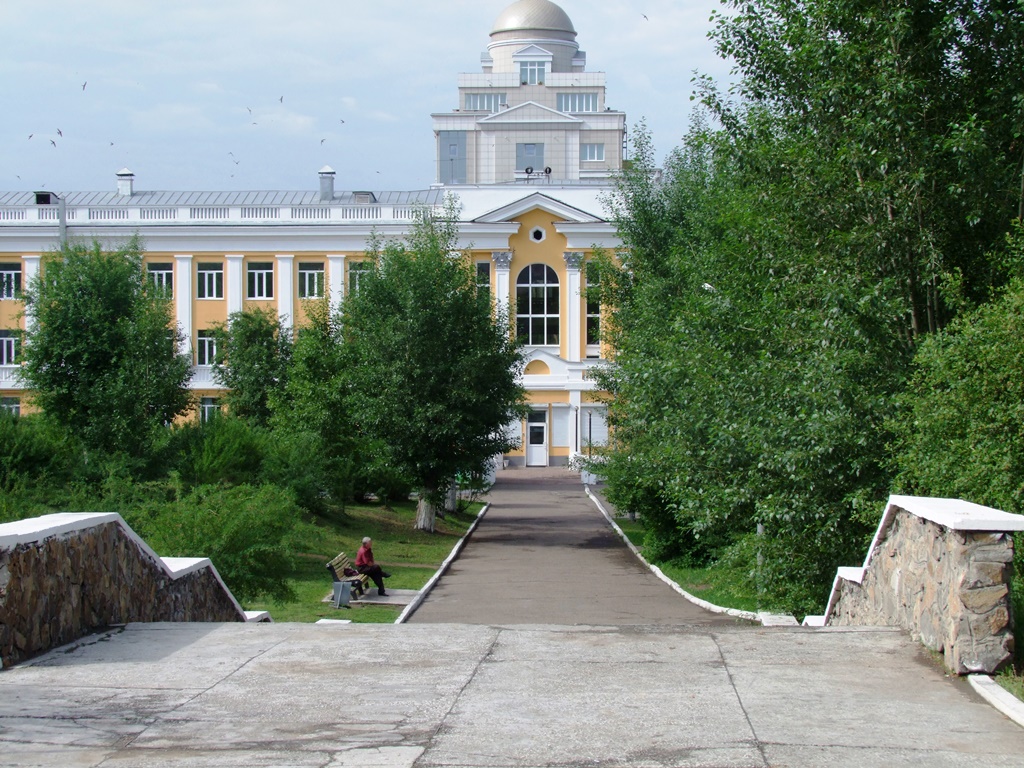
{"points": [[234, 279], [573, 263], [286, 289], [183, 299], [336, 279]]}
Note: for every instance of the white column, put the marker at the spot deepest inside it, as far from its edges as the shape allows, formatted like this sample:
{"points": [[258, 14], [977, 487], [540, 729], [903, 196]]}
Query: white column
{"points": [[576, 428], [31, 263], [286, 289], [502, 286], [183, 298], [573, 262], [336, 279], [234, 288]]}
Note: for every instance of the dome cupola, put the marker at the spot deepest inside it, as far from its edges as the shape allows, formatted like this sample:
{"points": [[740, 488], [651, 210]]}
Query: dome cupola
{"points": [[537, 18]]}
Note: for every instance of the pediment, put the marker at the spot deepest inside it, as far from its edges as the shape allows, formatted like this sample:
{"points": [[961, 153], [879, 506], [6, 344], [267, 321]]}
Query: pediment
{"points": [[533, 201], [532, 52], [539, 356], [528, 112]]}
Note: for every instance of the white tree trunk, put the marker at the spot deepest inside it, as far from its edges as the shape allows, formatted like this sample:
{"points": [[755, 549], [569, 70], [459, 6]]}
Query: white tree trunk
{"points": [[451, 502], [425, 511]]}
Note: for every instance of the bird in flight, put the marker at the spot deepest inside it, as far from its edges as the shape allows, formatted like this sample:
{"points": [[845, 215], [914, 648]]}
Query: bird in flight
{"points": [[281, 100], [645, 16], [53, 142], [59, 133], [31, 135], [342, 122], [85, 84], [322, 141]]}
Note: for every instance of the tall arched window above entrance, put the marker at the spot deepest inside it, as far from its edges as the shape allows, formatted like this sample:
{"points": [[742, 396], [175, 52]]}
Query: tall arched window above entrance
{"points": [[537, 313]]}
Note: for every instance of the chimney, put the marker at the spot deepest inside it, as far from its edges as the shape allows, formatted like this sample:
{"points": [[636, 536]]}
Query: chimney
{"points": [[125, 183], [326, 183]]}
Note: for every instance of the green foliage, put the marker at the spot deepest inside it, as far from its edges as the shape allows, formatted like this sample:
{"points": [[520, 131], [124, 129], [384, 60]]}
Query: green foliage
{"points": [[245, 530], [780, 275], [100, 355], [433, 369], [312, 412], [253, 354], [32, 452], [224, 450], [960, 431]]}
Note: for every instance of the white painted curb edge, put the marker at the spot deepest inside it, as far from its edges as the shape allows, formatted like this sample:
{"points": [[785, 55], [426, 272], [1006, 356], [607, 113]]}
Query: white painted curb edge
{"points": [[998, 697], [748, 615], [418, 600]]}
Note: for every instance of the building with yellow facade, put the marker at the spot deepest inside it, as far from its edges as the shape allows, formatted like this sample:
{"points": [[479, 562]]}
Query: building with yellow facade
{"points": [[528, 233]]}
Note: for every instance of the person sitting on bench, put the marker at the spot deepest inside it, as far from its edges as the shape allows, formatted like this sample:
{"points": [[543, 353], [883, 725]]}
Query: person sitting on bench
{"points": [[365, 564]]}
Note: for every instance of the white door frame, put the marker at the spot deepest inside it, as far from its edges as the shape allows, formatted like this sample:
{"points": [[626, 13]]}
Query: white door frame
{"points": [[537, 426]]}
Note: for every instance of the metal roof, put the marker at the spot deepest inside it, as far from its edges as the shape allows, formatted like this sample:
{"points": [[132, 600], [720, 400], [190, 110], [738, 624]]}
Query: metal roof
{"points": [[145, 198]]}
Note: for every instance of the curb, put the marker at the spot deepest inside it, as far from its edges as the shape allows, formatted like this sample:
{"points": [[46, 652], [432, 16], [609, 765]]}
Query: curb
{"points": [[417, 601], [998, 697], [735, 612]]}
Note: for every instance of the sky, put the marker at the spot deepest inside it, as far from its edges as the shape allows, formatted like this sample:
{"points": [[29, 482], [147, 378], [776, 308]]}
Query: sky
{"points": [[260, 94]]}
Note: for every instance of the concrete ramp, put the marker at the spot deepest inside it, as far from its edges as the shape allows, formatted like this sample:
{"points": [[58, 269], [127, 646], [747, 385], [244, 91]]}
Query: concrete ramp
{"points": [[498, 696]]}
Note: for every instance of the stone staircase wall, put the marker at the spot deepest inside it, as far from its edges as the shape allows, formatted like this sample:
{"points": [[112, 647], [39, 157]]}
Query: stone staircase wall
{"points": [[63, 576], [941, 569]]}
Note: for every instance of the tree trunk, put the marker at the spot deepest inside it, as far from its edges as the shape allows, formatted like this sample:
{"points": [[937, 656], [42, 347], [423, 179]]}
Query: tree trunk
{"points": [[426, 510], [451, 501]]}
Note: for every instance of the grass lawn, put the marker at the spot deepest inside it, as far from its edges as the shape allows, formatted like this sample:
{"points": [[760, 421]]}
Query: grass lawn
{"points": [[411, 557]]}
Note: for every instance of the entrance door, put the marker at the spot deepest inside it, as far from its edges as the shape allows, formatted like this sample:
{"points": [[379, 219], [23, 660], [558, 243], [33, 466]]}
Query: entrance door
{"points": [[537, 439]]}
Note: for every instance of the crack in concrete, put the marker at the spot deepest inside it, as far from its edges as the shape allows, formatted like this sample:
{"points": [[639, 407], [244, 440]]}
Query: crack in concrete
{"points": [[746, 715], [458, 696]]}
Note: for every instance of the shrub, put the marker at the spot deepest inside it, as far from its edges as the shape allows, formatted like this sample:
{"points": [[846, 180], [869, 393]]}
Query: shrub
{"points": [[246, 531]]}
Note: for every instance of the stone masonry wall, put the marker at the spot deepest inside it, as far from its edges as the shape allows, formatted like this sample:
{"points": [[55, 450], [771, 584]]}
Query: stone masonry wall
{"points": [[63, 587], [949, 588]]}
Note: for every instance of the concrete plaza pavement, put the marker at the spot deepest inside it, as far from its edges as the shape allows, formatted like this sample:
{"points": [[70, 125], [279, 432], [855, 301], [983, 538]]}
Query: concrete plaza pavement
{"points": [[498, 695]]}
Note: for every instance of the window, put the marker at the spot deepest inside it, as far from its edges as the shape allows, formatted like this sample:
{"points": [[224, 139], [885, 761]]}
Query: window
{"points": [[593, 309], [485, 102], [355, 270], [483, 278], [591, 152], [530, 156], [11, 404], [311, 280], [8, 348], [261, 280], [162, 275], [532, 72], [10, 281], [206, 348], [537, 313], [210, 281], [577, 102], [209, 408]]}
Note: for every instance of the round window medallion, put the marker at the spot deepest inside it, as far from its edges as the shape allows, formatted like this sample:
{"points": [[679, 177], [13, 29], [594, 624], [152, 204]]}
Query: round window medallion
{"points": [[537, 234]]}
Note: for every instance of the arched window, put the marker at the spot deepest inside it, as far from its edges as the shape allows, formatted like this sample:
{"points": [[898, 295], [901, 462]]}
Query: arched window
{"points": [[537, 319]]}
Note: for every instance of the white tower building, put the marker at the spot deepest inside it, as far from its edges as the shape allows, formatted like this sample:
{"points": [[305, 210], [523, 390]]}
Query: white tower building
{"points": [[534, 113]]}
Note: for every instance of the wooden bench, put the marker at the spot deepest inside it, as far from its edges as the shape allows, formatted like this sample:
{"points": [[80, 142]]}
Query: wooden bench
{"points": [[337, 567]]}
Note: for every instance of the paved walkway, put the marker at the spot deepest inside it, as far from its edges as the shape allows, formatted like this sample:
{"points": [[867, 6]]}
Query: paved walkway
{"points": [[500, 695], [544, 554]]}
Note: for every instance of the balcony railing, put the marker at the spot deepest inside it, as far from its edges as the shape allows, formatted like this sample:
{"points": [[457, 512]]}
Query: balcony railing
{"points": [[31, 215]]}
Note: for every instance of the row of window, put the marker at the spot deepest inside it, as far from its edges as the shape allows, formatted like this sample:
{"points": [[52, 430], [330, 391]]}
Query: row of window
{"points": [[531, 155], [537, 302], [259, 279], [567, 102]]}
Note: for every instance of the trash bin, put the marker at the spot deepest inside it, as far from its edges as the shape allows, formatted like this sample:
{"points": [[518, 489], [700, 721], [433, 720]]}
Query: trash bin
{"points": [[342, 594]]}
